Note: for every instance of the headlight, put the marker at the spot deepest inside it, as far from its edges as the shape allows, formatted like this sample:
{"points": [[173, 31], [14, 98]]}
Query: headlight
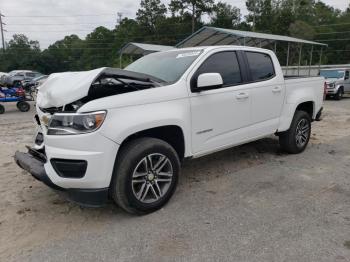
{"points": [[331, 85], [75, 123]]}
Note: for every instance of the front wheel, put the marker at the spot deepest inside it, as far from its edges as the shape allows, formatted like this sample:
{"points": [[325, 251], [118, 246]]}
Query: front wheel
{"points": [[295, 140], [339, 95], [2, 109], [145, 176]]}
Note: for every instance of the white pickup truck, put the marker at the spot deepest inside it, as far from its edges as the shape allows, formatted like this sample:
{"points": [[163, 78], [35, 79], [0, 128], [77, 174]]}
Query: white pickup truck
{"points": [[123, 134]]}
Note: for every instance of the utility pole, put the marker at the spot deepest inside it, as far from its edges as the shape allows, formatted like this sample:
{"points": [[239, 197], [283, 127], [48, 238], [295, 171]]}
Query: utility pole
{"points": [[2, 32], [119, 17]]}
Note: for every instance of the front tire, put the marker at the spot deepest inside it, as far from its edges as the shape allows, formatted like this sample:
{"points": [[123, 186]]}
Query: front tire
{"points": [[2, 109], [145, 176], [295, 140], [339, 95]]}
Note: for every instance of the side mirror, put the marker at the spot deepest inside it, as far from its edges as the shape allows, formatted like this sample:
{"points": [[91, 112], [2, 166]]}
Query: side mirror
{"points": [[208, 81]]}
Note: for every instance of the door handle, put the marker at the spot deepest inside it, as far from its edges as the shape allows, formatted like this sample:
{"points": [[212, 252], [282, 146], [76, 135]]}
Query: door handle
{"points": [[277, 89], [241, 96]]}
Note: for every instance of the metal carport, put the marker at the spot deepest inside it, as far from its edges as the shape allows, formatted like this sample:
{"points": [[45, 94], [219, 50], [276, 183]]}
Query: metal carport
{"points": [[207, 36], [141, 49]]}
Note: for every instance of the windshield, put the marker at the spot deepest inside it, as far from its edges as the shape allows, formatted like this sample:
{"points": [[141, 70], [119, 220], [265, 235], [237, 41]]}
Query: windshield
{"points": [[332, 73], [167, 66]]}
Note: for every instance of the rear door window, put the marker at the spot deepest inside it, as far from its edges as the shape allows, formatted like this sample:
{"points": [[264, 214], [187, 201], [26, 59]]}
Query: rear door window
{"points": [[261, 66], [30, 74], [224, 63]]}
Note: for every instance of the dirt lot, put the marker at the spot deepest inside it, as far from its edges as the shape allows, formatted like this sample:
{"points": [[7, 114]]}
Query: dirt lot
{"points": [[250, 203]]}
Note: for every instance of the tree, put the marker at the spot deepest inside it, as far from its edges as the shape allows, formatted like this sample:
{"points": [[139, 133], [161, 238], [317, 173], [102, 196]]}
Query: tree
{"points": [[196, 8], [20, 53], [225, 15], [301, 29], [262, 14], [151, 14]]}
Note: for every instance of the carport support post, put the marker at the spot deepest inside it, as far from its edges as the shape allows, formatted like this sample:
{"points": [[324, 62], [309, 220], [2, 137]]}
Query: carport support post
{"points": [[120, 59], [312, 50], [319, 64], [300, 50], [287, 58]]}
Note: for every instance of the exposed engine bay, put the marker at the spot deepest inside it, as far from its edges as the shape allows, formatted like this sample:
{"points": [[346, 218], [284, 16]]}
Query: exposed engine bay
{"points": [[54, 97]]}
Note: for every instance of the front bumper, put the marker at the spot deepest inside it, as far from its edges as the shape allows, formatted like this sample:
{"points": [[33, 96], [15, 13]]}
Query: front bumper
{"points": [[331, 91], [35, 166]]}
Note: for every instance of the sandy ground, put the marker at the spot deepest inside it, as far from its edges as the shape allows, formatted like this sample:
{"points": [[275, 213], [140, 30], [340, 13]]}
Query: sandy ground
{"points": [[250, 203]]}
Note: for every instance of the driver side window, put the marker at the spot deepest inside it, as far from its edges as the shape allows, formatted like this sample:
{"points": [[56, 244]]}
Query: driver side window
{"points": [[226, 64]]}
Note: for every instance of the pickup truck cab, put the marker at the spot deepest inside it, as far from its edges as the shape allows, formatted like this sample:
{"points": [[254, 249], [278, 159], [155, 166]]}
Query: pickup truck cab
{"points": [[337, 82], [123, 134]]}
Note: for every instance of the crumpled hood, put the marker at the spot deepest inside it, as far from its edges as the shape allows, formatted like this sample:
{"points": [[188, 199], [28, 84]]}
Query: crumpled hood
{"points": [[64, 88]]}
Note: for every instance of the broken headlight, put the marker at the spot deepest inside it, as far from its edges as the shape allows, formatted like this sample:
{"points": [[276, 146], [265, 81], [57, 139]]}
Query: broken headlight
{"points": [[75, 123]]}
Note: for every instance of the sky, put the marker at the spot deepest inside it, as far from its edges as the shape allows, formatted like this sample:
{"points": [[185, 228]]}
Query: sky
{"points": [[50, 20]]}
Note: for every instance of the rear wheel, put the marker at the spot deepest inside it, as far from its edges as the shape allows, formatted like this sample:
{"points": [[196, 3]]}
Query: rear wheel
{"points": [[145, 176], [23, 106], [339, 95], [2, 109], [295, 140]]}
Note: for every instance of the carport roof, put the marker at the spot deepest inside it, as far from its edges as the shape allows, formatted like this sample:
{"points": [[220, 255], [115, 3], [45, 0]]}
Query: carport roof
{"points": [[142, 49], [221, 36]]}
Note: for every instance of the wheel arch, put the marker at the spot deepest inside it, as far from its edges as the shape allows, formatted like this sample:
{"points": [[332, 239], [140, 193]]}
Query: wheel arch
{"points": [[172, 134], [308, 107], [290, 110]]}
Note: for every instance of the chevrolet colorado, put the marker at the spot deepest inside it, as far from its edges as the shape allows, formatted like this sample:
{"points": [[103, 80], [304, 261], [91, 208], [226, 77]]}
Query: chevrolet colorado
{"points": [[123, 134]]}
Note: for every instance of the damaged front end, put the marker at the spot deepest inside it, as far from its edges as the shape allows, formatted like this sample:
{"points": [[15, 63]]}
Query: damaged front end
{"points": [[67, 92], [55, 161]]}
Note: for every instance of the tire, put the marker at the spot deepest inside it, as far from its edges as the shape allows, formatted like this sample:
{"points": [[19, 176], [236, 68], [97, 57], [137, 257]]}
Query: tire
{"points": [[2, 109], [131, 177], [339, 95], [23, 106], [292, 141]]}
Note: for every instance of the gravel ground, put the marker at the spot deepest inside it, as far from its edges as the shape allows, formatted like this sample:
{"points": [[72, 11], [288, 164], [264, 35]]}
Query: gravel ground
{"points": [[250, 203]]}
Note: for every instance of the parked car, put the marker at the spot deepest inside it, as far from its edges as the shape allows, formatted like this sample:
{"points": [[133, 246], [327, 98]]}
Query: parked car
{"points": [[30, 86], [125, 133], [14, 78], [35, 81], [2, 76], [2, 73], [337, 81]]}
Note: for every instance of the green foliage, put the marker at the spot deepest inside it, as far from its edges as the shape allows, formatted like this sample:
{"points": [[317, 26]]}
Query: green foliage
{"points": [[225, 15], [194, 8], [307, 19]]}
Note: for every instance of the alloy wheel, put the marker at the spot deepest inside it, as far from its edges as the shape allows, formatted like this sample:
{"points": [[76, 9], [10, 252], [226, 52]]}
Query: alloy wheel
{"points": [[152, 178], [302, 133]]}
